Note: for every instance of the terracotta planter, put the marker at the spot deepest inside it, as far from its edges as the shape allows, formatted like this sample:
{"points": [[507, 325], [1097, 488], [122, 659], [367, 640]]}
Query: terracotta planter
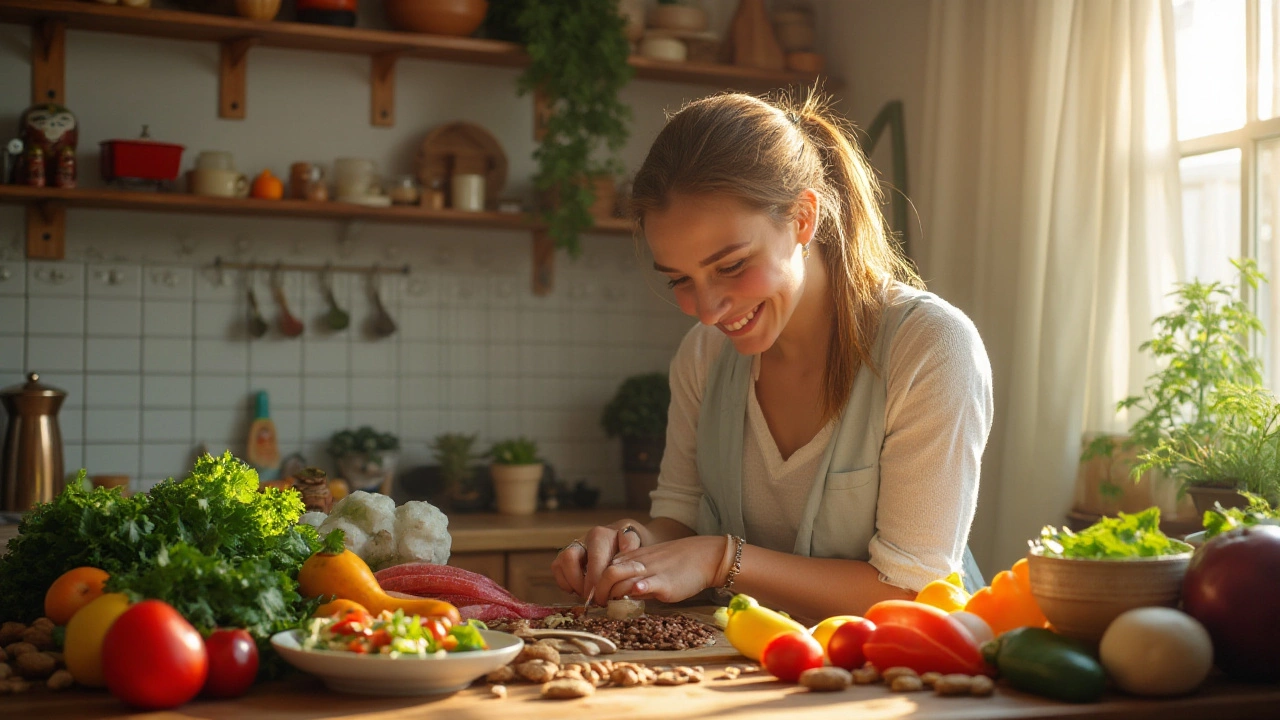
{"points": [[1205, 496], [1080, 598], [437, 17], [516, 488]]}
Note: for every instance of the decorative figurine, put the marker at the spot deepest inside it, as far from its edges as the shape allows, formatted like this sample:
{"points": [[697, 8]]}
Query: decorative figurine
{"points": [[51, 130], [314, 486], [66, 169]]}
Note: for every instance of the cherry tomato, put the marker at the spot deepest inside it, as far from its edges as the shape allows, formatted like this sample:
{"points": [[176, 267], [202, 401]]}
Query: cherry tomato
{"points": [[379, 638], [152, 658], [233, 663], [789, 654], [844, 649], [357, 647], [438, 627]]}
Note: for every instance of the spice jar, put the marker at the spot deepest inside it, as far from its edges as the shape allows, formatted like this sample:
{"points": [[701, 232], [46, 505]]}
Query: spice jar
{"points": [[317, 190], [433, 197], [299, 177], [404, 191]]}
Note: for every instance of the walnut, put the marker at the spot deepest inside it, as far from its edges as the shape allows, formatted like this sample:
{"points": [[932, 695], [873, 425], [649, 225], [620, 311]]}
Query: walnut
{"points": [[11, 632], [567, 689], [36, 665], [60, 680], [538, 671], [504, 674], [826, 679], [41, 637], [540, 650]]}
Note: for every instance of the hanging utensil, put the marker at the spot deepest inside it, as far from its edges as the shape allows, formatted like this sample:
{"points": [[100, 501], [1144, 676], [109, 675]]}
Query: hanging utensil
{"points": [[337, 318], [382, 325], [257, 325], [290, 326]]}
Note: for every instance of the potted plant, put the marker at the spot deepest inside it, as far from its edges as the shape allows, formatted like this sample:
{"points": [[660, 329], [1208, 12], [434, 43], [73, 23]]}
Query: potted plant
{"points": [[1201, 344], [456, 457], [516, 470], [365, 457], [577, 66], [638, 414], [1239, 453]]}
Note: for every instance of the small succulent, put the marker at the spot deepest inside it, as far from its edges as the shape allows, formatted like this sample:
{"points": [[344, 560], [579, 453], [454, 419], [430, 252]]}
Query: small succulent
{"points": [[363, 440], [516, 451]]}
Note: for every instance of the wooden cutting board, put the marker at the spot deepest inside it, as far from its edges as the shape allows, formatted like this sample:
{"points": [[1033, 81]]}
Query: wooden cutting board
{"points": [[462, 148], [718, 652]]}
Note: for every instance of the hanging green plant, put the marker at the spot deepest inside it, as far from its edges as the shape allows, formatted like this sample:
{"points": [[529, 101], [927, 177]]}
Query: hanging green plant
{"points": [[578, 63]]}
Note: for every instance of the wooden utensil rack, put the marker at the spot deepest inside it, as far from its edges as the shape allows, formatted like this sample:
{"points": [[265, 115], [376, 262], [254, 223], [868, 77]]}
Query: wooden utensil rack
{"points": [[50, 19]]}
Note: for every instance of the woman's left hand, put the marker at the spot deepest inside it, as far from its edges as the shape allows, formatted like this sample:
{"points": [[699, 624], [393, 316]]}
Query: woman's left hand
{"points": [[669, 572]]}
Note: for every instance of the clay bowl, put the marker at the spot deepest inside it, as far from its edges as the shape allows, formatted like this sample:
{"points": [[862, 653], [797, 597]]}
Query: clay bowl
{"points": [[437, 17], [1080, 598]]}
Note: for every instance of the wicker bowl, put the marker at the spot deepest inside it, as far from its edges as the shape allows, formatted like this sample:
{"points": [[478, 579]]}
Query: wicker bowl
{"points": [[437, 17], [1080, 598]]}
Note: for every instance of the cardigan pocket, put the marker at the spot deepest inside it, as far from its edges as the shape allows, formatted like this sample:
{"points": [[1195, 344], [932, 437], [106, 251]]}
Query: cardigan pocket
{"points": [[850, 479]]}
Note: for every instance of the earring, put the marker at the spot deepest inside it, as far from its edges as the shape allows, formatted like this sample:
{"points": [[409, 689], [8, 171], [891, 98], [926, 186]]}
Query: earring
{"points": [[804, 251]]}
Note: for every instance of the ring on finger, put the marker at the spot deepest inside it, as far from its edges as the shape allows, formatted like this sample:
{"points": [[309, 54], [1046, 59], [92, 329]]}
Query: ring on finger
{"points": [[631, 528], [575, 542]]}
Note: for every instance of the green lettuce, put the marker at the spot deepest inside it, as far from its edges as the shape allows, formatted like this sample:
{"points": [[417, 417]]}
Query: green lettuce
{"points": [[1220, 519], [1112, 538]]}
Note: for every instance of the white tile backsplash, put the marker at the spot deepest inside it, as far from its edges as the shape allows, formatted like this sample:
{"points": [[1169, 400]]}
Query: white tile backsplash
{"points": [[13, 278], [157, 358], [113, 317]]}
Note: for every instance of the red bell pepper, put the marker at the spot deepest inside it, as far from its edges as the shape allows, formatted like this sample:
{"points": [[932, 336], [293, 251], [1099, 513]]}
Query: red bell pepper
{"points": [[923, 638]]}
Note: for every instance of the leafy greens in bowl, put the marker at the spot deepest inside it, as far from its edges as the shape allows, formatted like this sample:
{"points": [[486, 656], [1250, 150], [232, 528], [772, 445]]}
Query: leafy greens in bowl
{"points": [[1126, 537]]}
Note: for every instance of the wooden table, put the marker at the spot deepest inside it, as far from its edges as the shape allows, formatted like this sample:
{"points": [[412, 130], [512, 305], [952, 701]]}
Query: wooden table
{"points": [[751, 696]]}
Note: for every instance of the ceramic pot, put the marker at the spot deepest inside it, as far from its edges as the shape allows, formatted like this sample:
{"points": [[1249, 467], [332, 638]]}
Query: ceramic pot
{"points": [[679, 17], [437, 17], [370, 475], [1080, 598], [258, 9], [660, 47], [516, 488], [1206, 496]]}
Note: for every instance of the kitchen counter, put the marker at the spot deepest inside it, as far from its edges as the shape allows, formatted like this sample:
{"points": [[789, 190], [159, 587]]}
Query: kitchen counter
{"points": [[751, 696]]}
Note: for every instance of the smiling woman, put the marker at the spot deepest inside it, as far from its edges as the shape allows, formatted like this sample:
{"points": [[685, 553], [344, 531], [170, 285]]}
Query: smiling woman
{"points": [[826, 408]]}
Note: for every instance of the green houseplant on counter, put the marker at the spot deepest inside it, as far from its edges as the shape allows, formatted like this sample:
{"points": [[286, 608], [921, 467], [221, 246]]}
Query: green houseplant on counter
{"points": [[456, 457], [1201, 344], [365, 457], [577, 66], [516, 469], [638, 414]]}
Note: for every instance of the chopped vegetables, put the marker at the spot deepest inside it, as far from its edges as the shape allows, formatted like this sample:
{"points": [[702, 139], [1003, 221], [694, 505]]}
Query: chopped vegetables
{"points": [[395, 634], [1220, 519], [1118, 538]]}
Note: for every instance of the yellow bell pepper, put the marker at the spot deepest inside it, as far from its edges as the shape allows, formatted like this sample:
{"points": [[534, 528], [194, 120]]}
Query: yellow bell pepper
{"points": [[751, 626], [1008, 602], [946, 594]]}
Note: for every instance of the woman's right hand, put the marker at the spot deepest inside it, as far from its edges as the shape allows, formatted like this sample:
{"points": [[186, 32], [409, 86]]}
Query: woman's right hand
{"points": [[580, 564]]}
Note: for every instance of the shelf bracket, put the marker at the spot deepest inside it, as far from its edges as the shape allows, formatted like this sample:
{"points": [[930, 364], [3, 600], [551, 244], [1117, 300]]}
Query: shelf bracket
{"points": [[233, 69], [382, 111], [48, 62], [46, 231], [544, 262]]}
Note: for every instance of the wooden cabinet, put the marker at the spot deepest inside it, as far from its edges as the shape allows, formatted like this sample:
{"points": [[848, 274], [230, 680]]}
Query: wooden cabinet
{"points": [[492, 565], [529, 578]]}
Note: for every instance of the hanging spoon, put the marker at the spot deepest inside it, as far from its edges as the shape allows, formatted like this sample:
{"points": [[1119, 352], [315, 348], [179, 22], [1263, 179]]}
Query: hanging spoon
{"points": [[257, 323], [383, 325], [290, 326], [337, 318]]}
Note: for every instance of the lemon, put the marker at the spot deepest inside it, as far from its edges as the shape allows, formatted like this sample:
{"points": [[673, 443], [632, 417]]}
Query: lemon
{"points": [[822, 631], [82, 646]]}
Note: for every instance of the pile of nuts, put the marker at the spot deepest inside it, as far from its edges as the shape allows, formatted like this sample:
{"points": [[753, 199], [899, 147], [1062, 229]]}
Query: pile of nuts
{"points": [[539, 662], [646, 632], [903, 679], [27, 654]]}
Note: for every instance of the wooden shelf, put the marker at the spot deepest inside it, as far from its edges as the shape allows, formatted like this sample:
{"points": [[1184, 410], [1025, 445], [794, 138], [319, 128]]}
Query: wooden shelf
{"points": [[183, 25]]}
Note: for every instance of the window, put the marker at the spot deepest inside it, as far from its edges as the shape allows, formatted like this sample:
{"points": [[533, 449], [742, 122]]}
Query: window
{"points": [[1228, 95]]}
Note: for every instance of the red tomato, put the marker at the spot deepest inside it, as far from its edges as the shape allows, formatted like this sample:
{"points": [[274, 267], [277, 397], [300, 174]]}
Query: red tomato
{"points": [[152, 658], [789, 654], [233, 663], [844, 649], [438, 627]]}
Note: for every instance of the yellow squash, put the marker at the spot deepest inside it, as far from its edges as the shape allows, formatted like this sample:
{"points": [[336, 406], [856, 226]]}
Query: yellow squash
{"points": [[344, 575], [751, 626]]}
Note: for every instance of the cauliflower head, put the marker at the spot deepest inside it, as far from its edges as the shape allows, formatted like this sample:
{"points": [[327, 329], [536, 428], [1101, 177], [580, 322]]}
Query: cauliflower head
{"points": [[422, 534], [384, 535]]}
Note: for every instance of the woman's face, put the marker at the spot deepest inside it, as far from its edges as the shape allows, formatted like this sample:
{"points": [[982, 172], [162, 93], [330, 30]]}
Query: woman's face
{"points": [[731, 266]]}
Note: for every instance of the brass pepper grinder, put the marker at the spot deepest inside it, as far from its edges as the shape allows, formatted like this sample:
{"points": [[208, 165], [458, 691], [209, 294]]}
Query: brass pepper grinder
{"points": [[32, 462]]}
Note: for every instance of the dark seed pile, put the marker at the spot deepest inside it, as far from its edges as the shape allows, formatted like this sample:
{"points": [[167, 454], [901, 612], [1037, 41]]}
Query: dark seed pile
{"points": [[647, 632]]}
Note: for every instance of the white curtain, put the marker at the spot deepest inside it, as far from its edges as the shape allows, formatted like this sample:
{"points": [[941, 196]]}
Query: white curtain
{"points": [[1051, 215]]}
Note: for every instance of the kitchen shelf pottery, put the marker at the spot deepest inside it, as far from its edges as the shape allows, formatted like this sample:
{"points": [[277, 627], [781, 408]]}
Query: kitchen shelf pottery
{"points": [[516, 487], [437, 17], [1080, 597]]}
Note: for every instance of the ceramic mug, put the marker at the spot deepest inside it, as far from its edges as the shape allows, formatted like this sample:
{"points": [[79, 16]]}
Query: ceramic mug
{"points": [[468, 192], [354, 177], [218, 183], [215, 160]]}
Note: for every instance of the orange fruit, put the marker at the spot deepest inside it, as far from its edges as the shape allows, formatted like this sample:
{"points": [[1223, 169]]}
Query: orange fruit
{"points": [[267, 186], [338, 607], [72, 591]]}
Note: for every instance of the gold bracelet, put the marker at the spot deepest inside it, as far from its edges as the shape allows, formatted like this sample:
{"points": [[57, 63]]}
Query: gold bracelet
{"points": [[736, 567]]}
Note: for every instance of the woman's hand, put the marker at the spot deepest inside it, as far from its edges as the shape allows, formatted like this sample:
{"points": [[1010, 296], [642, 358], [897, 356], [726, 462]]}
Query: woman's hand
{"points": [[579, 565], [669, 572]]}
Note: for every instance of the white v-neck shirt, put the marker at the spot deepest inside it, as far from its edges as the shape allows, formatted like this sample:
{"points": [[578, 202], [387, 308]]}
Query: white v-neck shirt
{"points": [[938, 409]]}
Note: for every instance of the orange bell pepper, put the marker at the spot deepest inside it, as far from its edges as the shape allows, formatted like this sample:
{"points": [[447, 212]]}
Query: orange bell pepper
{"points": [[1007, 603], [946, 594]]}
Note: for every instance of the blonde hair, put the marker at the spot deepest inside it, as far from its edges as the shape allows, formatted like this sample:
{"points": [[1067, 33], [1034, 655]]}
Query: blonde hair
{"points": [[765, 153]]}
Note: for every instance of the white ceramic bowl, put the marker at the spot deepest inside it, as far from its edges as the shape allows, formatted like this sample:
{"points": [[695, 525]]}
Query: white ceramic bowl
{"points": [[382, 675], [660, 47]]}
